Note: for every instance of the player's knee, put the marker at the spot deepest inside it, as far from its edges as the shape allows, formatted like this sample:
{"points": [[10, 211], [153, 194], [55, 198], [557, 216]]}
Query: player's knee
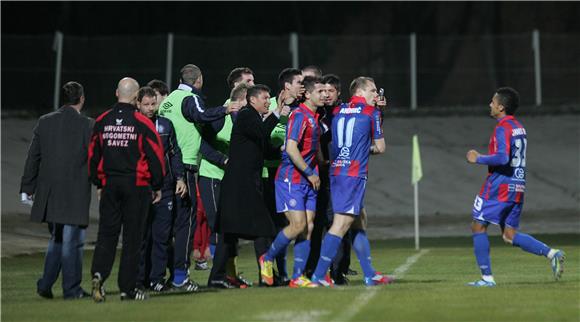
{"points": [[508, 238]]}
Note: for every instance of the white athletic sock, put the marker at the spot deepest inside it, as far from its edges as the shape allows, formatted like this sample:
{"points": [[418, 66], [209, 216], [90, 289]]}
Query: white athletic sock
{"points": [[551, 253], [488, 278]]}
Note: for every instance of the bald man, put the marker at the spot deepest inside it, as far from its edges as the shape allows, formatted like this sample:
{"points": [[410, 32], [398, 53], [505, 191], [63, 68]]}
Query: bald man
{"points": [[127, 166]]}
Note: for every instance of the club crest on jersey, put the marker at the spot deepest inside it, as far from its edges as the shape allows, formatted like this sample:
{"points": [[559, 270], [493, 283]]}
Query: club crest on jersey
{"points": [[519, 173], [292, 202]]}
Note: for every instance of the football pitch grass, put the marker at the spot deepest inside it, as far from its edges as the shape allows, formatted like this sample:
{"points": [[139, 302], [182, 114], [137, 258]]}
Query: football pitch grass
{"points": [[429, 286]]}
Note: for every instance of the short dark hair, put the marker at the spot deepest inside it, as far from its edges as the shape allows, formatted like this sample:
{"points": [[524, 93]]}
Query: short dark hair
{"points": [[236, 74], [359, 82], [239, 92], [159, 86], [509, 98], [255, 90], [313, 68], [287, 76], [189, 74], [309, 83], [333, 80], [72, 92], [145, 91]]}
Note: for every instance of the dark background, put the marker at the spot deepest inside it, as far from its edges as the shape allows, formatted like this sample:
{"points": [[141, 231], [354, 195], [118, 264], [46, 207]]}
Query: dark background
{"points": [[221, 18], [465, 49]]}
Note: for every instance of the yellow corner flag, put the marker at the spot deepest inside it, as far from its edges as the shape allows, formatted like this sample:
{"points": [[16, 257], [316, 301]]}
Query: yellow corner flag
{"points": [[417, 170]]}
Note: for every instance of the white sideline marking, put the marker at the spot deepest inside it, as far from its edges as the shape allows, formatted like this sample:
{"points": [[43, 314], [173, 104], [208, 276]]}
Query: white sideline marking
{"points": [[293, 316], [363, 299]]}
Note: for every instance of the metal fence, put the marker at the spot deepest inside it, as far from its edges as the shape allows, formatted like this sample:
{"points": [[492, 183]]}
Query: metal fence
{"points": [[415, 70]]}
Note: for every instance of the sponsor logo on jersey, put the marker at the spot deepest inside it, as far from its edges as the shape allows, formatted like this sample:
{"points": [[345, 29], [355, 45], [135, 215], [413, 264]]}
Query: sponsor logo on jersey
{"points": [[516, 187], [119, 121]]}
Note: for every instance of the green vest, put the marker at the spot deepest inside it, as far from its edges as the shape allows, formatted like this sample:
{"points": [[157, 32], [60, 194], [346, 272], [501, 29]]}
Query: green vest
{"points": [[278, 135], [187, 133], [221, 143]]}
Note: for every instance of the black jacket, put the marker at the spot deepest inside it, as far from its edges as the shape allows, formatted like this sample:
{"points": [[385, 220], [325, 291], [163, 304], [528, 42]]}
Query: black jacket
{"points": [[56, 168], [126, 145], [242, 210]]}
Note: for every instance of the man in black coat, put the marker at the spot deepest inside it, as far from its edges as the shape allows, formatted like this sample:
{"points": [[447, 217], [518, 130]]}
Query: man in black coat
{"points": [[55, 182], [242, 212]]}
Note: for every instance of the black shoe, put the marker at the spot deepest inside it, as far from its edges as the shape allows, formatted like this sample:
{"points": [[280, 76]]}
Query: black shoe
{"points": [[135, 295], [351, 272], [98, 292], [45, 294], [201, 266], [340, 279], [188, 286], [159, 287], [239, 281], [220, 284], [81, 295]]}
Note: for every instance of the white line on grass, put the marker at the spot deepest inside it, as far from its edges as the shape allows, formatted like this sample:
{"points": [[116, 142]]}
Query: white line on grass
{"points": [[363, 299]]}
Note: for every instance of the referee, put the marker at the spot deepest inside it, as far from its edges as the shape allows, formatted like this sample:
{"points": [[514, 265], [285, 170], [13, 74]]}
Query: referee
{"points": [[125, 163]]}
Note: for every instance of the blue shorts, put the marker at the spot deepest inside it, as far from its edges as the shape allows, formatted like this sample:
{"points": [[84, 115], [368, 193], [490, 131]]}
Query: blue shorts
{"points": [[497, 212], [294, 196], [347, 194]]}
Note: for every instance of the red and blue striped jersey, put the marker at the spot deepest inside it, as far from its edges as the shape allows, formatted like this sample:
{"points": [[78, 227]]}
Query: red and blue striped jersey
{"points": [[303, 128], [506, 178], [354, 126]]}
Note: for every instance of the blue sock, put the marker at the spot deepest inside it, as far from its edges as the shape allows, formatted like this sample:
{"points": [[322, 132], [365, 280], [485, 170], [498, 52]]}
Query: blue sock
{"points": [[530, 244], [330, 245], [481, 251], [212, 250], [301, 252], [280, 243], [362, 248], [179, 276], [281, 262]]}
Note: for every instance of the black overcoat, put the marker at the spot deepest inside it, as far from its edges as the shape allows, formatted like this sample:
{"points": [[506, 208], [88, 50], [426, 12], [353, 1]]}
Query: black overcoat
{"points": [[56, 168], [242, 210]]}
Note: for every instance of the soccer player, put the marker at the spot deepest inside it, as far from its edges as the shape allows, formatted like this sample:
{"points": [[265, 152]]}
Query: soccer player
{"points": [[356, 133], [501, 197], [296, 184], [291, 92]]}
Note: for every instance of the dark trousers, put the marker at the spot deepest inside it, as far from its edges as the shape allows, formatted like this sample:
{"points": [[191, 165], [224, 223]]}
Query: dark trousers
{"points": [[185, 221], [227, 247], [157, 240], [122, 205], [209, 191]]}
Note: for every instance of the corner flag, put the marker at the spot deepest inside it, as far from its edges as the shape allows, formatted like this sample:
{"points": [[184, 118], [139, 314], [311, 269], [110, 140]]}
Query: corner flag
{"points": [[417, 170]]}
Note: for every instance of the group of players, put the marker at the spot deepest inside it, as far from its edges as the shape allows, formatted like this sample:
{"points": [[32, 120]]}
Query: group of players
{"points": [[149, 154], [322, 147]]}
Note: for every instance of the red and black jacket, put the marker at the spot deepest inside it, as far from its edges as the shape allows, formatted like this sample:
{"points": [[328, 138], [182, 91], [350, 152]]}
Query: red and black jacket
{"points": [[125, 144]]}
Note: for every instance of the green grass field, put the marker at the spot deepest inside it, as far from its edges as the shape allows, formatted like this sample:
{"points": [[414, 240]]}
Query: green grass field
{"points": [[431, 289]]}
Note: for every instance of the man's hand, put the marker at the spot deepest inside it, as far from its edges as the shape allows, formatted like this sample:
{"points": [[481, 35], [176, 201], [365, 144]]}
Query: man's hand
{"points": [[26, 199], [472, 156], [285, 111], [382, 104], [315, 181], [156, 195], [233, 106], [180, 188]]}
